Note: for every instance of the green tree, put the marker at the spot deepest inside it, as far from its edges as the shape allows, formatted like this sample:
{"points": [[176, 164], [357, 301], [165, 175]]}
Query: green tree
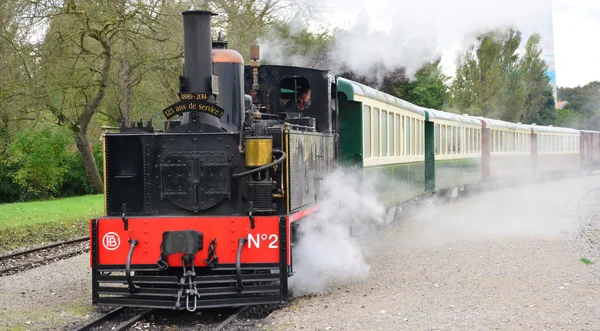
{"points": [[88, 55], [486, 80], [584, 100], [493, 81], [571, 119], [39, 154], [539, 104], [428, 89]]}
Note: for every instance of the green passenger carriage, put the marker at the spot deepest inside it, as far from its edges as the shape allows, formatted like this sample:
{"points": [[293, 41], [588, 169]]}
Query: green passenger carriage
{"points": [[384, 136], [453, 150]]}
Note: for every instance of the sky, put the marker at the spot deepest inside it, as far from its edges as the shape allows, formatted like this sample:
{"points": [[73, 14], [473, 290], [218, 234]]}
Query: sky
{"points": [[408, 32]]}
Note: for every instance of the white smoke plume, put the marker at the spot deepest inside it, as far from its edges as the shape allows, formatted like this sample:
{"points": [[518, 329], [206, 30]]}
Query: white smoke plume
{"points": [[332, 242], [409, 34]]}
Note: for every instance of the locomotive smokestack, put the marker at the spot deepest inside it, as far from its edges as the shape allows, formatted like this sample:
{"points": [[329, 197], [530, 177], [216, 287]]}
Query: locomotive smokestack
{"points": [[197, 43], [197, 54]]}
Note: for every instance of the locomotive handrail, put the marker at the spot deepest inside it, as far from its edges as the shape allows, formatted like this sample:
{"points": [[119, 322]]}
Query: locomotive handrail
{"points": [[266, 166]]}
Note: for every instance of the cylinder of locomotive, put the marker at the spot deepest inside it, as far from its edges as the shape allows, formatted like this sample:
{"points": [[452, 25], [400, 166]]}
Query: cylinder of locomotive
{"points": [[259, 151]]}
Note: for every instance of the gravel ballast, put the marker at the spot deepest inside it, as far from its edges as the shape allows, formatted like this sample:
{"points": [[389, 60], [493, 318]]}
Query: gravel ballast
{"points": [[502, 260]]}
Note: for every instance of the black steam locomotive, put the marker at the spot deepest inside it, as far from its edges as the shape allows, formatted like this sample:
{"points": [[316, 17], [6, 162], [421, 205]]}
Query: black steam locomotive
{"points": [[201, 212]]}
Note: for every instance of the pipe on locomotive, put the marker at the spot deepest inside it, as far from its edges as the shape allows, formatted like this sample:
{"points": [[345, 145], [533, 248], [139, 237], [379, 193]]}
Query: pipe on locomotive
{"points": [[197, 55]]}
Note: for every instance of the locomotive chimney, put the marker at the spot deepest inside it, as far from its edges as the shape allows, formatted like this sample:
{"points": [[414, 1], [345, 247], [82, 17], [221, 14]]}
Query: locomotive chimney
{"points": [[197, 50], [197, 54]]}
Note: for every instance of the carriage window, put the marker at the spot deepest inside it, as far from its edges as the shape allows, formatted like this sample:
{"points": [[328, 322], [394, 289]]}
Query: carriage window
{"points": [[295, 94], [367, 131], [475, 140], [453, 139], [467, 140], [569, 143], [514, 141], [413, 137], [418, 142], [497, 141], [376, 137], [542, 143], [391, 133], [421, 136], [448, 140], [399, 129], [436, 133], [562, 143], [443, 140], [384, 133], [459, 140], [407, 142]]}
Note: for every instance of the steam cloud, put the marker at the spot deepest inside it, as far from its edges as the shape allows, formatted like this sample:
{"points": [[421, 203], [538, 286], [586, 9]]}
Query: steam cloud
{"points": [[331, 246], [410, 34]]}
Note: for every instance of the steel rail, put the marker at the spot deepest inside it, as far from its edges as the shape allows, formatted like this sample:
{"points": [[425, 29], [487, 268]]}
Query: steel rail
{"points": [[59, 256], [123, 326], [230, 319], [36, 249], [100, 319]]}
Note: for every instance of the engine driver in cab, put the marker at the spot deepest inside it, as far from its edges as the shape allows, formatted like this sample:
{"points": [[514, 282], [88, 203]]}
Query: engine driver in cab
{"points": [[301, 103]]}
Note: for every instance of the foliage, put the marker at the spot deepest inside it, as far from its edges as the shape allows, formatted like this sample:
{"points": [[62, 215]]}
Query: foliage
{"points": [[493, 81], [485, 72], [569, 118], [584, 100], [39, 155], [539, 106], [428, 89], [75, 181], [390, 79], [297, 45], [9, 190], [544, 114]]}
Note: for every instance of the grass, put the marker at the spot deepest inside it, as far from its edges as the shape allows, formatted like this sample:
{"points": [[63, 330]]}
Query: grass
{"points": [[32, 223]]}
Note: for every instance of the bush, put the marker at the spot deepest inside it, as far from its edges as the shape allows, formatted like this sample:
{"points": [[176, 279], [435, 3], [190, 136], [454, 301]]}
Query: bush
{"points": [[75, 180], [9, 190], [39, 156], [41, 163]]}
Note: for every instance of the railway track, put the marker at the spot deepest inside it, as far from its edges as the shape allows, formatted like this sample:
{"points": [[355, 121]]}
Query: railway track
{"points": [[123, 318], [115, 314], [23, 260]]}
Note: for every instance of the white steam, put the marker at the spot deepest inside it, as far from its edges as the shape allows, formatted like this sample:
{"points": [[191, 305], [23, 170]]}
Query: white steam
{"points": [[331, 246], [409, 34]]}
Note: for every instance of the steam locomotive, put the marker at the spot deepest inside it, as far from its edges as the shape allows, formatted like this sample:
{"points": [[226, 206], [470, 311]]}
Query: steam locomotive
{"points": [[201, 213], [204, 211]]}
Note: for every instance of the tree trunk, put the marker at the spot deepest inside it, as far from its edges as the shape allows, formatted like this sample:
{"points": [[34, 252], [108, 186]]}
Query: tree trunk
{"points": [[126, 90], [91, 169]]}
